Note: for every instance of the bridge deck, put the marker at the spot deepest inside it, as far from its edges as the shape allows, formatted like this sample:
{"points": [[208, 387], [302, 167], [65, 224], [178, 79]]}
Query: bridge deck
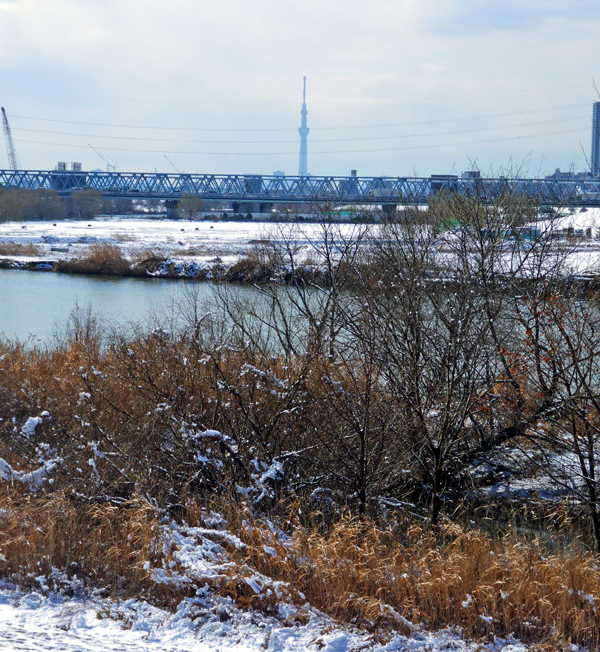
{"points": [[300, 189]]}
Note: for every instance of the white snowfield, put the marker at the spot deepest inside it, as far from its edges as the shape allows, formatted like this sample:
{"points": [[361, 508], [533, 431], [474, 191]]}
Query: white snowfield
{"points": [[197, 240], [224, 242], [147, 230], [33, 622]]}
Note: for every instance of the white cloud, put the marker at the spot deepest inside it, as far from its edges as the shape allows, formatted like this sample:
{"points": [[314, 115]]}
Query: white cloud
{"points": [[234, 64]]}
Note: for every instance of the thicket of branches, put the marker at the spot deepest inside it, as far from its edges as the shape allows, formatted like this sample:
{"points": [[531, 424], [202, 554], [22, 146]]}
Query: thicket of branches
{"points": [[429, 349]]}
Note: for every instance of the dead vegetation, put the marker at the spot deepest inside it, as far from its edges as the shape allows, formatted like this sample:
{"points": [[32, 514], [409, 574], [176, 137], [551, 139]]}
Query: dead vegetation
{"points": [[400, 577], [336, 423], [60, 538], [150, 429], [407, 577], [8, 248], [99, 258]]}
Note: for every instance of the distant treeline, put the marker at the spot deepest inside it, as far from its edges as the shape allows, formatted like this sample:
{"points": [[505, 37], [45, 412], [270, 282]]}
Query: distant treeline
{"points": [[45, 204]]}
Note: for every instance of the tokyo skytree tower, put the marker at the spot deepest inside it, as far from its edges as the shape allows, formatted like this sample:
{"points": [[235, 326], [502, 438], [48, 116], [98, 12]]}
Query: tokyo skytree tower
{"points": [[303, 131]]}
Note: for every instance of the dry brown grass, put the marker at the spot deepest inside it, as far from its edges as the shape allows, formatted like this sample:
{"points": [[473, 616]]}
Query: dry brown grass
{"points": [[365, 575], [17, 249], [59, 537], [124, 236], [201, 251], [401, 578], [50, 541], [99, 258]]}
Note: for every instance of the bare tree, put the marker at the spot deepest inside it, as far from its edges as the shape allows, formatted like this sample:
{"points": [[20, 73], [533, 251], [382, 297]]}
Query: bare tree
{"points": [[561, 349], [191, 205], [431, 335]]}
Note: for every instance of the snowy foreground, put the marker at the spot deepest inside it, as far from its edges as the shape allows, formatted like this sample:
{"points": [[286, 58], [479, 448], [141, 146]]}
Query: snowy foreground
{"points": [[34, 622], [73, 620]]}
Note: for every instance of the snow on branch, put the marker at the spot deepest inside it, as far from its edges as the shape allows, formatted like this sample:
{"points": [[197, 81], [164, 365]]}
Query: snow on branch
{"points": [[35, 479]]}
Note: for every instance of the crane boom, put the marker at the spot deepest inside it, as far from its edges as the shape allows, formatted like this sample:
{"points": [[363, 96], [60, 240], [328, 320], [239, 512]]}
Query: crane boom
{"points": [[173, 164], [13, 161], [109, 166]]}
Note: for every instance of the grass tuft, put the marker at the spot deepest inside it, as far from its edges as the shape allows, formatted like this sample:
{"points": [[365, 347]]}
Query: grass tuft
{"points": [[99, 258]]}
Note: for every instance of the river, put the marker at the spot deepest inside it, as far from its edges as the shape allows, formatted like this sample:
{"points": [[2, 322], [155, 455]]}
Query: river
{"points": [[34, 306]]}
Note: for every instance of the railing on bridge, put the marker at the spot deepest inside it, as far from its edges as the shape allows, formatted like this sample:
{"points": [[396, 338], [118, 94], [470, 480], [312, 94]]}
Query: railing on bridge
{"points": [[301, 189]]}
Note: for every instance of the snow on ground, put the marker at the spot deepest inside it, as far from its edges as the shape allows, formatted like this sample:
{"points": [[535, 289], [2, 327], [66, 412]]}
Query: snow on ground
{"points": [[579, 219], [197, 240], [35, 622], [145, 231], [205, 242], [74, 621]]}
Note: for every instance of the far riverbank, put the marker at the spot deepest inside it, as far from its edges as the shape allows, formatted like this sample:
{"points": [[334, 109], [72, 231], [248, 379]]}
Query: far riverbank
{"points": [[149, 248]]}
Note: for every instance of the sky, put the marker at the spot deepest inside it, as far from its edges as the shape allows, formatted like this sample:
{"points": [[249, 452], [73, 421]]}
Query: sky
{"points": [[394, 87]]}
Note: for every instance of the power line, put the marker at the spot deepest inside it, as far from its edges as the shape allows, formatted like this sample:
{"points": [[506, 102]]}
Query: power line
{"points": [[314, 140], [269, 102], [336, 128], [137, 100], [323, 152]]}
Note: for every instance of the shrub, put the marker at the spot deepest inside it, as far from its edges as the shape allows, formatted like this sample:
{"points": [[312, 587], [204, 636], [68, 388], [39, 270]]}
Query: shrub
{"points": [[100, 258]]}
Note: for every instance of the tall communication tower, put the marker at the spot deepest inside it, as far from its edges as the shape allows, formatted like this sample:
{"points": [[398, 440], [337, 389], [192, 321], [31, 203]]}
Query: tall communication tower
{"points": [[13, 161], [595, 158], [303, 131]]}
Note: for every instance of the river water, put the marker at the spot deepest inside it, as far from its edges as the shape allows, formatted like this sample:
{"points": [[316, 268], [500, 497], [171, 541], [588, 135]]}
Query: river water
{"points": [[35, 306]]}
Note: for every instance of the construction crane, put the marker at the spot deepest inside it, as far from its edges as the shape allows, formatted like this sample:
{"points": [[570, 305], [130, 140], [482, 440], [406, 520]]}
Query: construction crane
{"points": [[173, 164], [109, 166], [13, 161]]}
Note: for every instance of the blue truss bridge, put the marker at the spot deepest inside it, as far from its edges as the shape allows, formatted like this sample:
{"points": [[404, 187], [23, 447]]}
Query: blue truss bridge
{"points": [[269, 190]]}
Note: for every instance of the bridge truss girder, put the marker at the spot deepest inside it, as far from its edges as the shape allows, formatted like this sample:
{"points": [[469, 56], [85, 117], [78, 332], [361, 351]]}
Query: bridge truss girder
{"points": [[301, 189]]}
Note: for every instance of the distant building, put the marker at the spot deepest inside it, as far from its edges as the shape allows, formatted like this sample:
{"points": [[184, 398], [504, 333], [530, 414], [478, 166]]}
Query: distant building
{"points": [[569, 175], [350, 186], [470, 174], [443, 182], [595, 158], [61, 166]]}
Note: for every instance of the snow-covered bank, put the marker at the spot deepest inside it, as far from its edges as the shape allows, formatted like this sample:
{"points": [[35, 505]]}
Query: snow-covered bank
{"points": [[196, 241], [207, 250], [35, 622], [157, 248]]}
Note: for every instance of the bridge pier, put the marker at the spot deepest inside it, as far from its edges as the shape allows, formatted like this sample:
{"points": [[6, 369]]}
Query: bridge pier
{"points": [[389, 211], [172, 206], [245, 207]]}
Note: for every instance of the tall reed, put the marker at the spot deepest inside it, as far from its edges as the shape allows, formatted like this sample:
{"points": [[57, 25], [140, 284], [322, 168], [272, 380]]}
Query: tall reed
{"points": [[370, 576]]}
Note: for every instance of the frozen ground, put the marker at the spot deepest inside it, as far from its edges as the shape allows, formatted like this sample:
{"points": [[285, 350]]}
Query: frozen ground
{"points": [[207, 243], [200, 241], [34, 622]]}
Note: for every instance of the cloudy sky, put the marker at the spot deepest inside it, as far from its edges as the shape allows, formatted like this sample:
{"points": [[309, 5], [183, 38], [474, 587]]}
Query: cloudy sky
{"points": [[394, 87]]}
